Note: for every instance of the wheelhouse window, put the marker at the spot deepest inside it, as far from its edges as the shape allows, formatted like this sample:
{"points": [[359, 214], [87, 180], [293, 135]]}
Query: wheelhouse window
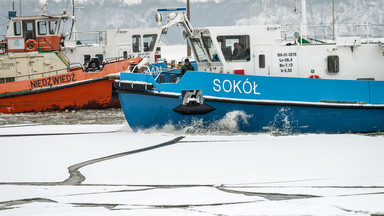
{"points": [[42, 27], [333, 64], [52, 26], [210, 49], [149, 42], [199, 51], [235, 48], [136, 43], [17, 28]]}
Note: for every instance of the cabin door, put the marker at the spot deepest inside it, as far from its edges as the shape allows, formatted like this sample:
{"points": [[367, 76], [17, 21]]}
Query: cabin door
{"points": [[262, 57], [29, 30]]}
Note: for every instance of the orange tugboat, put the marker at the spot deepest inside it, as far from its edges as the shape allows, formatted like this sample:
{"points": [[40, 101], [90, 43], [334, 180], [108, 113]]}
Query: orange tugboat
{"points": [[35, 75]]}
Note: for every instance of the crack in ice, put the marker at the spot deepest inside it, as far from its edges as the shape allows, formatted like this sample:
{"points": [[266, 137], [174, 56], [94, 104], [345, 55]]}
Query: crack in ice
{"points": [[77, 178]]}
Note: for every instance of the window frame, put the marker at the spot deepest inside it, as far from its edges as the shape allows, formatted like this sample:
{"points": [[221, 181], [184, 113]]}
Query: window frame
{"points": [[17, 26], [210, 50], [261, 61], [150, 46], [50, 27], [138, 42], [333, 59], [194, 42], [39, 29], [227, 42]]}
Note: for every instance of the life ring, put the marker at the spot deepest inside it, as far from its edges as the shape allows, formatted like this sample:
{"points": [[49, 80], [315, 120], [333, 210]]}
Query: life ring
{"points": [[314, 76], [30, 45]]}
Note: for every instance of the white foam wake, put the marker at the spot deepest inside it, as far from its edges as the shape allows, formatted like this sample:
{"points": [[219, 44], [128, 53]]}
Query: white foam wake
{"points": [[229, 124]]}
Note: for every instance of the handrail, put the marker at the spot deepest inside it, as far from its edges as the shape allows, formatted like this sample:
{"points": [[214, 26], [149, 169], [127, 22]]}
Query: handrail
{"points": [[29, 75], [73, 65], [62, 55], [99, 37], [63, 59], [323, 31], [107, 60]]}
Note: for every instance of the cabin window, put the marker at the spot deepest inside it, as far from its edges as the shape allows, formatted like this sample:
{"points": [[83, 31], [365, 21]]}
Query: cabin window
{"points": [[235, 48], [198, 49], [17, 28], [136, 43], [261, 61], [125, 54], [100, 57], [210, 49], [149, 42], [52, 26], [333, 64], [42, 27], [87, 59]]}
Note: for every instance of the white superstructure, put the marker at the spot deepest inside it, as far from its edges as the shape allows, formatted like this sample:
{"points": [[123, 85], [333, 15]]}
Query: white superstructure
{"points": [[112, 44], [267, 54]]}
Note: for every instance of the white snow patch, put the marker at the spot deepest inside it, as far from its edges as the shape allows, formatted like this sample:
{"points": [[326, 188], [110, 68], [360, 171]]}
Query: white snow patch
{"points": [[202, 174]]}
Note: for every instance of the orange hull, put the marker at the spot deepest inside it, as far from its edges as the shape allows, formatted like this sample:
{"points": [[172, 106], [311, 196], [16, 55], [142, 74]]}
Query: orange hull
{"points": [[85, 96], [72, 90]]}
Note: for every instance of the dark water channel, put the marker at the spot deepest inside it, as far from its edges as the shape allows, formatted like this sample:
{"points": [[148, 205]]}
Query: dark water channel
{"points": [[105, 116]]}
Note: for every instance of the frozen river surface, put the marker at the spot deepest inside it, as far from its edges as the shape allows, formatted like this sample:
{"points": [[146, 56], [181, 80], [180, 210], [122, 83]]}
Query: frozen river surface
{"points": [[58, 167]]}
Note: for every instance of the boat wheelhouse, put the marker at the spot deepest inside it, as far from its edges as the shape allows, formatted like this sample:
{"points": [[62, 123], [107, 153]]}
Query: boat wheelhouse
{"points": [[35, 74]]}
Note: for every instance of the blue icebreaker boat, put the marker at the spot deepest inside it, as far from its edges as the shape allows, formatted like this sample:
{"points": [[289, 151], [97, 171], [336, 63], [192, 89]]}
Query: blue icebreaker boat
{"points": [[306, 87]]}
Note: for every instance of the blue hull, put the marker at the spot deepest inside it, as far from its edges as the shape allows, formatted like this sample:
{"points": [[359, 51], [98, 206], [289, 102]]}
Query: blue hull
{"points": [[258, 104]]}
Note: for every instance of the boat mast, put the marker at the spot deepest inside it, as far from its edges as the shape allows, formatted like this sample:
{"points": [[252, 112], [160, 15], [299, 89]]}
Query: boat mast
{"points": [[303, 18], [333, 19], [73, 19], [189, 18], [20, 7]]}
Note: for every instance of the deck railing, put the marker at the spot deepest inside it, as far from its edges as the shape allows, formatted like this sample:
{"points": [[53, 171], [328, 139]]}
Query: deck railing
{"points": [[90, 37], [33, 76], [366, 31]]}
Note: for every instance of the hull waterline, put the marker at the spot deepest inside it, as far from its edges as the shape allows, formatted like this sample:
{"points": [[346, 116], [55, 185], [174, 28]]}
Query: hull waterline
{"points": [[263, 109]]}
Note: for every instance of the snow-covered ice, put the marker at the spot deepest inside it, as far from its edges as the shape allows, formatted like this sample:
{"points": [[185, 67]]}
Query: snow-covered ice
{"points": [[109, 170]]}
